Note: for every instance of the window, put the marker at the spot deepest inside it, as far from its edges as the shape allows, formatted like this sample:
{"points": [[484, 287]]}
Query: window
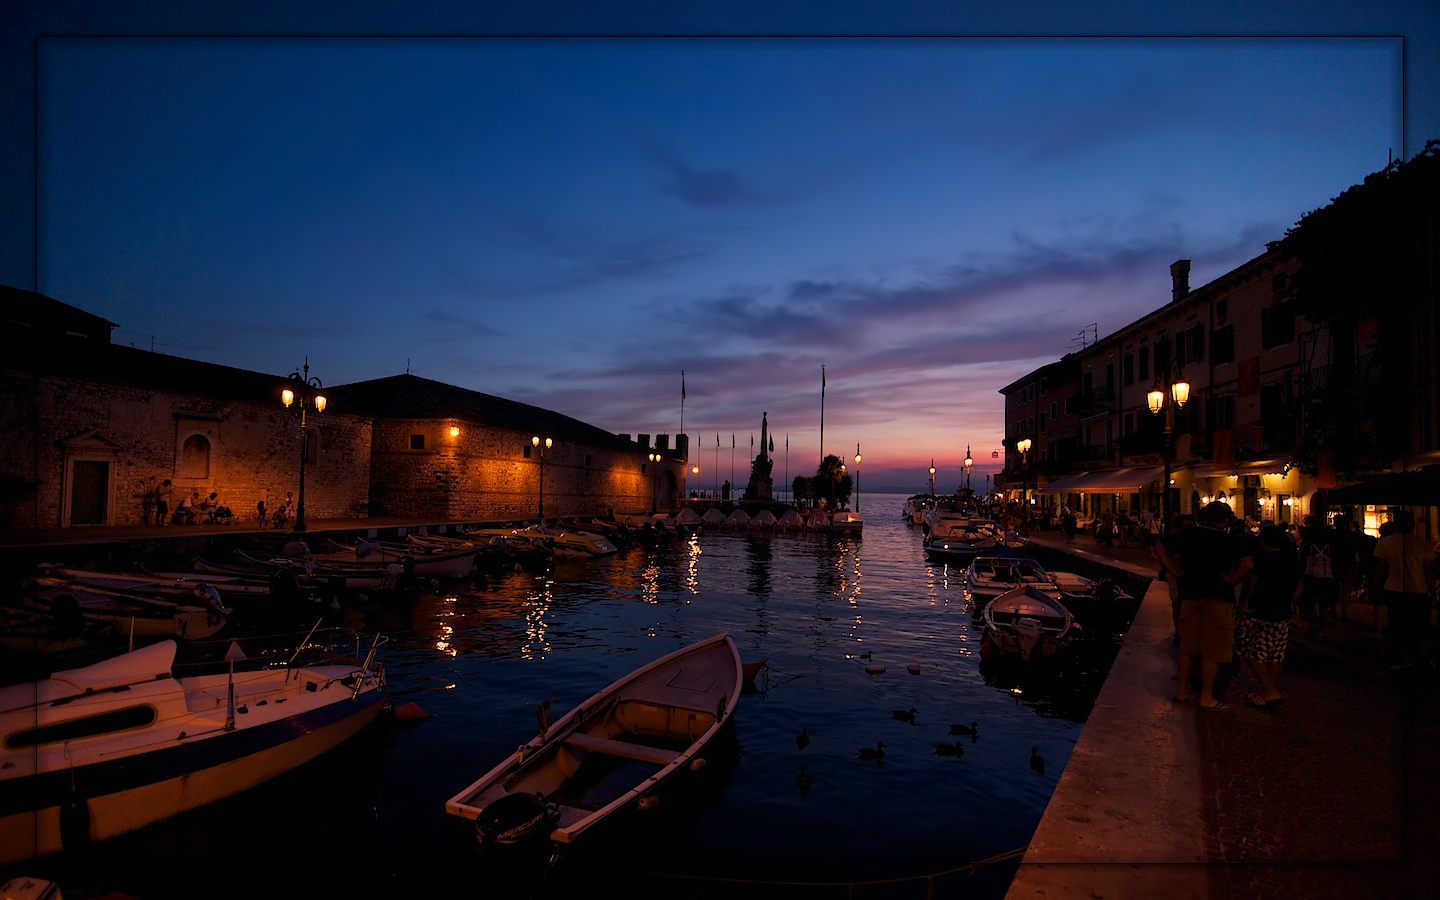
{"points": [[1222, 345], [1277, 326], [1180, 349], [1222, 411], [1070, 405], [1042, 423], [1144, 374], [525, 450], [1044, 386], [1195, 337], [589, 460], [1162, 352], [417, 442], [127, 719], [195, 457], [1127, 368], [1054, 410]]}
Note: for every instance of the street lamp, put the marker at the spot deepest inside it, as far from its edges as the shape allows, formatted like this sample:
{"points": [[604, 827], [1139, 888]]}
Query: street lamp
{"points": [[857, 477], [694, 473], [654, 478], [1179, 393], [969, 461], [306, 390], [542, 444], [1023, 445], [932, 477]]}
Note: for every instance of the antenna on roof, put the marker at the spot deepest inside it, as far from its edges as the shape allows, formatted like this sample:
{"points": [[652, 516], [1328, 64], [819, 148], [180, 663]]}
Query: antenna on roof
{"points": [[1084, 339], [407, 365]]}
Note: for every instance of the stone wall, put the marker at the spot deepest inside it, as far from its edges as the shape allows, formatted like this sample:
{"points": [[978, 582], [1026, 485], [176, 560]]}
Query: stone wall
{"points": [[134, 438]]}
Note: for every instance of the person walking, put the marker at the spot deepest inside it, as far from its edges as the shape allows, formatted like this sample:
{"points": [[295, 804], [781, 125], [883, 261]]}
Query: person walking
{"points": [[1207, 567], [162, 502], [1404, 568], [1262, 630]]}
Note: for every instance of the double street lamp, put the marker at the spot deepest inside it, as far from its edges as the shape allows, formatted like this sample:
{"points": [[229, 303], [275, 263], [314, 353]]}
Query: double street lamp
{"points": [[1023, 445], [305, 390], [654, 480], [1178, 393], [542, 444]]}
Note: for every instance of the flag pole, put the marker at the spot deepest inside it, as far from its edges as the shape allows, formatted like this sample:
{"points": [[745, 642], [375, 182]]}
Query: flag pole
{"points": [[682, 403], [822, 415]]}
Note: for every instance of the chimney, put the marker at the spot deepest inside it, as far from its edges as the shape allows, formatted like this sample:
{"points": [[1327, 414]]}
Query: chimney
{"points": [[1180, 280]]}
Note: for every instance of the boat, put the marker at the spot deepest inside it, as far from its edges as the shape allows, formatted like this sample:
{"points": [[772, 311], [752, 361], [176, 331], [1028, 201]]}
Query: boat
{"points": [[611, 752], [1094, 602], [763, 519], [959, 541], [61, 630], [565, 542], [915, 508], [91, 753], [990, 575], [847, 520], [426, 562], [712, 518], [308, 572], [1027, 622], [133, 615]]}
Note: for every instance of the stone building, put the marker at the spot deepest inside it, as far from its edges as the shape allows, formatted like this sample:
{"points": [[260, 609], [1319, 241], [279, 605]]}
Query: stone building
{"points": [[91, 428], [1312, 372]]}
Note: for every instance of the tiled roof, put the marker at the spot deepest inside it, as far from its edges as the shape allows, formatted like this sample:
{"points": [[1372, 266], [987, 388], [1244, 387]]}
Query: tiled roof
{"points": [[412, 397]]}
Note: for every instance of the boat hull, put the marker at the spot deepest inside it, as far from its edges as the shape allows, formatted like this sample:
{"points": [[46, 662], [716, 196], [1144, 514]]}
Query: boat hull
{"points": [[100, 752], [618, 746]]}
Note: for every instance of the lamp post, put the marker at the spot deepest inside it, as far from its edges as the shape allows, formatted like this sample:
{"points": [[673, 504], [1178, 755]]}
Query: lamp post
{"points": [[694, 473], [969, 461], [857, 477], [1023, 445], [932, 477], [305, 390], [1178, 392], [654, 477], [541, 444]]}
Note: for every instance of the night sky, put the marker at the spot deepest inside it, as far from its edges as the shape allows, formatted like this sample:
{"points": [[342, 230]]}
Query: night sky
{"points": [[571, 209]]}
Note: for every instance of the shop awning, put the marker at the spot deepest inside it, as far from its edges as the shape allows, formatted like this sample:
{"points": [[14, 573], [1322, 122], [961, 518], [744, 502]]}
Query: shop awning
{"points": [[1420, 487], [1105, 481], [1244, 467]]}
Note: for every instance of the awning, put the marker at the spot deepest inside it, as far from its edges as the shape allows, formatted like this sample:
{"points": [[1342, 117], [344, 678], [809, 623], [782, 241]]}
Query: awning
{"points": [[1420, 487], [1105, 481], [1244, 467]]}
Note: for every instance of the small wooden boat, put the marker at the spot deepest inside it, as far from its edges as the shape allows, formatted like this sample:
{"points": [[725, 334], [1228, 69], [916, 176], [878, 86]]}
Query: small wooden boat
{"points": [[1094, 602], [1027, 622], [609, 752], [91, 753]]}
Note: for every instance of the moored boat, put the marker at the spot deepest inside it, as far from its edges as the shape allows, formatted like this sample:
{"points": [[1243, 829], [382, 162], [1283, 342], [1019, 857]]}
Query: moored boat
{"points": [[1027, 622], [91, 753], [609, 752], [990, 575], [959, 541]]}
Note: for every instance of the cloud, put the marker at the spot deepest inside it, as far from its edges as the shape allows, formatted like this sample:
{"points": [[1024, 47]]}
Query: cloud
{"points": [[711, 188]]}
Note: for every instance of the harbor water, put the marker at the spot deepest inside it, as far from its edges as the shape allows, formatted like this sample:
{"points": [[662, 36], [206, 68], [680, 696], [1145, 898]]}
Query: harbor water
{"points": [[855, 630]]}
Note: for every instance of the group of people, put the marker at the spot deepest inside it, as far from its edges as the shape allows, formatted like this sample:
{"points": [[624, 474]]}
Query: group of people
{"points": [[194, 509], [1234, 592]]}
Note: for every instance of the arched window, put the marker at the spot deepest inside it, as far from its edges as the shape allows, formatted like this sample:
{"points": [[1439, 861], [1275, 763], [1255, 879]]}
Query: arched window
{"points": [[195, 457]]}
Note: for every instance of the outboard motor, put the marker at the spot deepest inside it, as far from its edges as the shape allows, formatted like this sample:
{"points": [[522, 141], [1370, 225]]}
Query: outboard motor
{"points": [[514, 819]]}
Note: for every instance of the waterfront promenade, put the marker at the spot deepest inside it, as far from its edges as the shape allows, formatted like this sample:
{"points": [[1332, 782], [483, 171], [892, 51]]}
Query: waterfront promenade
{"points": [[1335, 793]]}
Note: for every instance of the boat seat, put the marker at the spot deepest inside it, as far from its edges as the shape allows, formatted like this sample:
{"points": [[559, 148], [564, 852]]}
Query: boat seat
{"points": [[623, 749]]}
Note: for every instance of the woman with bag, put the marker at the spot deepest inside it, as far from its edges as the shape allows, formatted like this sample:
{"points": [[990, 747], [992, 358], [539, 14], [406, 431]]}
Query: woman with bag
{"points": [[1262, 631]]}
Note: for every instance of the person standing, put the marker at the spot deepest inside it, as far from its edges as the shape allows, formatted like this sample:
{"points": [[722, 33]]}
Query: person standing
{"points": [[1404, 568], [1262, 630], [162, 502], [1207, 567]]}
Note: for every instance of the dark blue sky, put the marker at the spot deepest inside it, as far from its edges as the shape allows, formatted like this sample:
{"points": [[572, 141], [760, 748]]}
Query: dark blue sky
{"points": [[928, 203]]}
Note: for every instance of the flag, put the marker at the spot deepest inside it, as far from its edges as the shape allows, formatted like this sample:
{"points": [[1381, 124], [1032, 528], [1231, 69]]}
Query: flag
{"points": [[682, 385], [732, 440], [772, 443], [752, 440], [822, 380]]}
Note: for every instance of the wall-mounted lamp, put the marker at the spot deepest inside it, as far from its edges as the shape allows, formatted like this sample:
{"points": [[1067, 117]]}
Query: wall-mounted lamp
{"points": [[454, 431]]}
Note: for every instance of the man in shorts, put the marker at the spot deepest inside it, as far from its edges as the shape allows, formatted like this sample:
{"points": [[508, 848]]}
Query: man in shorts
{"points": [[1207, 566]]}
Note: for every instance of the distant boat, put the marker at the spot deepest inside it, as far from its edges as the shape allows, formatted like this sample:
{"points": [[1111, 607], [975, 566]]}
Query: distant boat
{"points": [[763, 519], [915, 508], [608, 753], [959, 541], [847, 520]]}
